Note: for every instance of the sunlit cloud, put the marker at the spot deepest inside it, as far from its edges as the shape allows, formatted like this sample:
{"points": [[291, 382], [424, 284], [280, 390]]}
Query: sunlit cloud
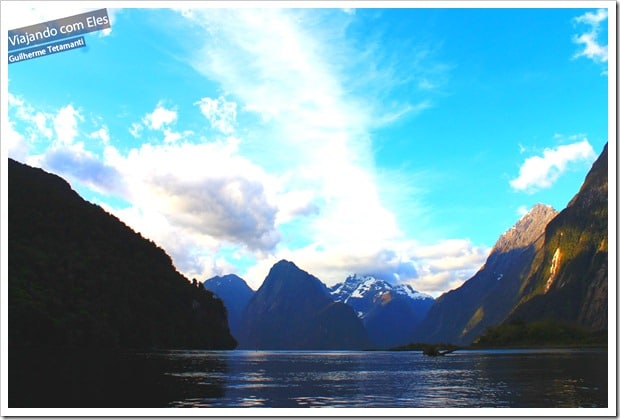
{"points": [[539, 172]]}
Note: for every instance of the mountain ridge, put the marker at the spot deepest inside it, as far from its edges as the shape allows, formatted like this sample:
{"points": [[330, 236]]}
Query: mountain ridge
{"points": [[294, 310]]}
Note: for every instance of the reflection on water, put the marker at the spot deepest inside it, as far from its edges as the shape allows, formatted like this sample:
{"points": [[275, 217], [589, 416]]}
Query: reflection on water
{"points": [[542, 378]]}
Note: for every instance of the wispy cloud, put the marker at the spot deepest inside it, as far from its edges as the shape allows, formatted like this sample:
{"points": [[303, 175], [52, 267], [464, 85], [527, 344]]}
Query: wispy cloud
{"points": [[221, 113], [591, 45], [161, 117], [539, 172], [314, 134]]}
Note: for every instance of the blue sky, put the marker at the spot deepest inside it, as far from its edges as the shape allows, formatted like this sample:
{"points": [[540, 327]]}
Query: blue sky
{"points": [[394, 142]]}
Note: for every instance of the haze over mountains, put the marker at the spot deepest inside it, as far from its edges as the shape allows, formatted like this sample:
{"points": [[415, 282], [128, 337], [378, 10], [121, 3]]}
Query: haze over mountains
{"points": [[80, 277]]}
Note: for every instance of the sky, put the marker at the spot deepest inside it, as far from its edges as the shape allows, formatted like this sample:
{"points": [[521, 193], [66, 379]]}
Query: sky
{"points": [[399, 143]]}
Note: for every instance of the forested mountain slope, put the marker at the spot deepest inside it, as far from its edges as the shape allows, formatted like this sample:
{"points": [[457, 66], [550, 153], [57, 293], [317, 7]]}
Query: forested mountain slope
{"points": [[78, 277]]}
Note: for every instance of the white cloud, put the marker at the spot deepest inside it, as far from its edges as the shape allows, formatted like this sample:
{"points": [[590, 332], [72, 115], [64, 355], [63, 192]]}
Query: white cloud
{"points": [[161, 117], [591, 45], [102, 134], [65, 125], [136, 129], [220, 113], [293, 204], [539, 172], [202, 188], [171, 136], [37, 119], [522, 211]]}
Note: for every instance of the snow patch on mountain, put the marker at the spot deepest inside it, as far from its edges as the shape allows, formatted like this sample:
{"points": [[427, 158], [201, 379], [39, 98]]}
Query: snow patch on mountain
{"points": [[407, 290], [363, 292]]}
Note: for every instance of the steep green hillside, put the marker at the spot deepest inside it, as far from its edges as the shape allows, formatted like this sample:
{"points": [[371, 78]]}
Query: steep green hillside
{"points": [[570, 284], [539, 333]]}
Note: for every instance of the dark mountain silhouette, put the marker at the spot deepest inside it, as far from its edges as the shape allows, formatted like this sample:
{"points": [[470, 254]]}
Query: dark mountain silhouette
{"points": [[294, 310], [389, 313], [569, 283], [80, 277], [486, 299], [394, 318], [235, 293]]}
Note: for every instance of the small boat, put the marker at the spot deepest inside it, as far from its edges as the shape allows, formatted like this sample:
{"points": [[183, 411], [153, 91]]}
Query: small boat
{"points": [[434, 351]]}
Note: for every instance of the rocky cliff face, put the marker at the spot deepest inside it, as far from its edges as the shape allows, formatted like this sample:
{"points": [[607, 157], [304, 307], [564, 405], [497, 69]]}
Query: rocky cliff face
{"points": [[460, 315], [570, 283]]}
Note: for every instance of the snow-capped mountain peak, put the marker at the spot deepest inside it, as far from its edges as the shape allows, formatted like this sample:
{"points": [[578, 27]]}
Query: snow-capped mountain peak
{"points": [[362, 292], [389, 313], [407, 290]]}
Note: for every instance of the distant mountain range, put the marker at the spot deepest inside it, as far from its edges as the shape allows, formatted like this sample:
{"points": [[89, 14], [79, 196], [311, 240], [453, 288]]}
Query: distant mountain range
{"points": [[292, 300], [389, 313], [549, 265], [79, 276]]}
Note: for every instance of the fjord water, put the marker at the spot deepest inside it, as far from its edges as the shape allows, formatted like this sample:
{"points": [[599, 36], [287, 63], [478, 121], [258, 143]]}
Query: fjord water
{"points": [[486, 378]]}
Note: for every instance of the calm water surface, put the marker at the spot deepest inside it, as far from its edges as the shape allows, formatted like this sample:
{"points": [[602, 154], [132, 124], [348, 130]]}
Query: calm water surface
{"points": [[500, 378]]}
